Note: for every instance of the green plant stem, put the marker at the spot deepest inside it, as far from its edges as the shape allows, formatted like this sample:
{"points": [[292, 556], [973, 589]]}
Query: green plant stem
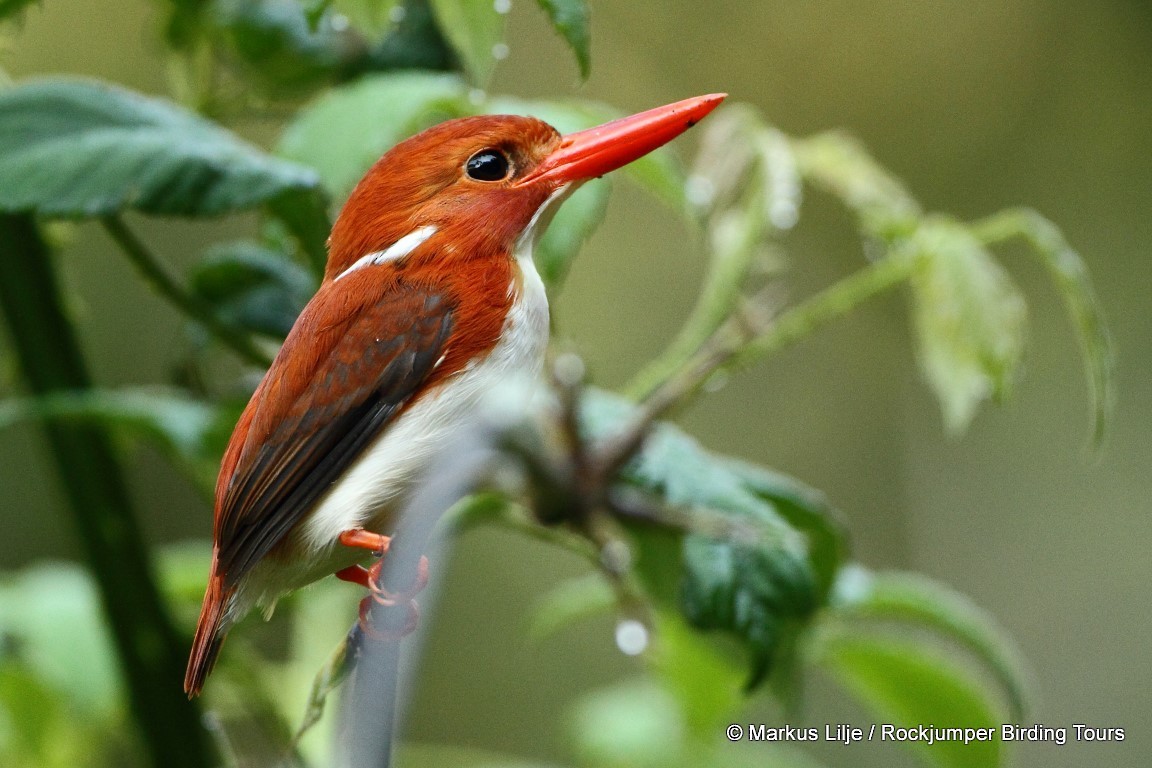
{"points": [[721, 292], [829, 304], [153, 271], [737, 345], [150, 651]]}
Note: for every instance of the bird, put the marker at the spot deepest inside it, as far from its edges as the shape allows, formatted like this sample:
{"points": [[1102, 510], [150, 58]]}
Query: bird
{"points": [[429, 299]]}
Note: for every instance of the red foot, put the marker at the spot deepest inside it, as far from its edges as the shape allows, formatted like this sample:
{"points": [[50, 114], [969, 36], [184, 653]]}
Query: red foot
{"points": [[370, 578]]}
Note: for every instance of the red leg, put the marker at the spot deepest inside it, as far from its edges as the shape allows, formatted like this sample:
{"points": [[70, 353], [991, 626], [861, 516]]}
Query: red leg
{"points": [[370, 578], [369, 627], [362, 539], [355, 574]]}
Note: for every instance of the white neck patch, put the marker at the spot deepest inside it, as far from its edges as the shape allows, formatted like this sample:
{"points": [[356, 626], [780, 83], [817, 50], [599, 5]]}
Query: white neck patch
{"points": [[394, 252], [543, 215]]}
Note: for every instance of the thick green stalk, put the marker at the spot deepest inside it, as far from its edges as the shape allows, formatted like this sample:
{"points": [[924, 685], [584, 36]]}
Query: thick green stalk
{"points": [[150, 651]]}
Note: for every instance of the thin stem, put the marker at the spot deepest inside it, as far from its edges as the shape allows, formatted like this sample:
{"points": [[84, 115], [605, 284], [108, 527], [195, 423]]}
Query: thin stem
{"points": [[833, 302], [744, 340], [151, 652], [156, 275]]}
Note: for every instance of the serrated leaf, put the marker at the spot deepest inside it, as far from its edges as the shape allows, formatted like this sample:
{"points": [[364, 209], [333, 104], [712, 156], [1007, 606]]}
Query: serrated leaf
{"points": [[253, 287], [808, 511], [908, 685], [969, 320], [75, 148], [474, 28], [744, 569], [343, 133], [1071, 276], [914, 600], [570, 19]]}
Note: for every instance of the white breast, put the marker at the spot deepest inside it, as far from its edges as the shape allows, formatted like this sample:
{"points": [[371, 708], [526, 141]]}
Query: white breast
{"points": [[389, 467], [376, 484]]}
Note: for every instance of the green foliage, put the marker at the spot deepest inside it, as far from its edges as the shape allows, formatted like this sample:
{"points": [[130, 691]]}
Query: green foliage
{"points": [[873, 601], [253, 287], [277, 42], [476, 30], [739, 575], [75, 148], [10, 8], [969, 319], [570, 18], [347, 129], [744, 569], [908, 686], [192, 432]]}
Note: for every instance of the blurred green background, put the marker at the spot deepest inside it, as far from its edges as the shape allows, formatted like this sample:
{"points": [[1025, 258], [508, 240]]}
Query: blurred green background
{"points": [[977, 106]]}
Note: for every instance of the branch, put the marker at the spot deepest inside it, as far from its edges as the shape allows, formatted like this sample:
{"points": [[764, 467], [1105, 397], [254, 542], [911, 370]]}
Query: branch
{"points": [[746, 338], [370, 704], [155, 274], [150, 651]]}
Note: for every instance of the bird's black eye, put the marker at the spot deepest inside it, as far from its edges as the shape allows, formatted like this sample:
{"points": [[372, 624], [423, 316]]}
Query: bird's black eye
{"points": [[488, 165]]}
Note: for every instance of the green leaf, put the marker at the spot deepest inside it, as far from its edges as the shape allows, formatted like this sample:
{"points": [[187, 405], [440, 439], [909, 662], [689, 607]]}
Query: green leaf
{"points": [[343, 133], [634, 725], [744, 568], [707, 681], [278, 42], [969, 320], [305, 216], [839, 164], [328, 678], [911, 599], [570, 19], [77, 148], [186, 429], [12, 7], [33, 606], [570, 600], [571, 226], [808, 511], [908, 685], [372, 17], [475, 28], [253, 287], [1071, 276]]}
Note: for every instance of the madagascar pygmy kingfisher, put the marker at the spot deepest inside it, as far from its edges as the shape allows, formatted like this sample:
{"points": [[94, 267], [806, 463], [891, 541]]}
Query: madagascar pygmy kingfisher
{"points": [[429, 299]]}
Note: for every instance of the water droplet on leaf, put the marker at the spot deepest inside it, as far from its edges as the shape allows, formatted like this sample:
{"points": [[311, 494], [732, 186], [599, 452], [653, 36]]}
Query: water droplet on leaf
{"points": [[631, 637]]}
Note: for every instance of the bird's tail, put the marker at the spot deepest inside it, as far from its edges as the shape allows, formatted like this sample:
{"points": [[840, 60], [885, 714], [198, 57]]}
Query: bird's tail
{"points": [[210, 633]]}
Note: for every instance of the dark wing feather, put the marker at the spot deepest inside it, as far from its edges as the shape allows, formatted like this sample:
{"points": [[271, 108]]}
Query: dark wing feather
{"points": [[320, 406]]}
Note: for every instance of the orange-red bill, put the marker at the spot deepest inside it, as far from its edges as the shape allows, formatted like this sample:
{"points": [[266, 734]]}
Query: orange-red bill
{"points": [[596, 151]]}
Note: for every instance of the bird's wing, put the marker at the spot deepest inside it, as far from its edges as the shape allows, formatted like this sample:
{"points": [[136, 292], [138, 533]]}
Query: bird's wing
{"points": [[349, 366]]}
